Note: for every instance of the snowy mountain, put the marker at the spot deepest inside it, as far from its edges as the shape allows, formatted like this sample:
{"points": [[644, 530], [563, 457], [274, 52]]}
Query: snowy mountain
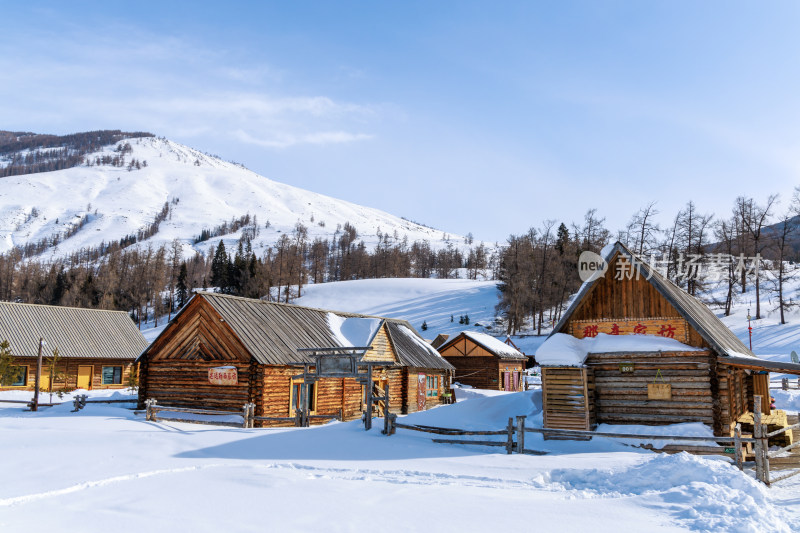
{"points": [[180, 192]]}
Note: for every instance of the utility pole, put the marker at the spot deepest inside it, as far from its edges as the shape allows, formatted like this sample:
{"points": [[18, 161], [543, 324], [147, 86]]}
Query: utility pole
{"points": [[35, 406], [750, 330]]}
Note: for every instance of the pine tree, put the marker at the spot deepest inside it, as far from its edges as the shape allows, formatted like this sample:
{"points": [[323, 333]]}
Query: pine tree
{"points": [[55, 375], [466, 320], [181, 290], [424, 325], [451, 318], [461, 319], [220, 267], [9, 372]]}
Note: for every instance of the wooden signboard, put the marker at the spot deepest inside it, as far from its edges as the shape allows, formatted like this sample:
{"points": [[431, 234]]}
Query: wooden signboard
{"points": [[672, 327], [659, 391], [626, 368], [337, 365], [223, 375]]}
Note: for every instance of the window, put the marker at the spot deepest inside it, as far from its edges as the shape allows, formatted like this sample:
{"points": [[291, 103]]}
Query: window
{"points": [[432, 386], [295, 397], [112, 375], [22, 376]]}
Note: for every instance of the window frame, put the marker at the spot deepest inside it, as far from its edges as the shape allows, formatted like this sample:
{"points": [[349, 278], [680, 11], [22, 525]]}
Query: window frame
{"points": [[24, 376], [431, 386], [103, 374], [295, 385]]}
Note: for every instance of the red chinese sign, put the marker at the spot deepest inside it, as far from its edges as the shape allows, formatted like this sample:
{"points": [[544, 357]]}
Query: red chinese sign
{"points": [[223, 375], [674, 328]]}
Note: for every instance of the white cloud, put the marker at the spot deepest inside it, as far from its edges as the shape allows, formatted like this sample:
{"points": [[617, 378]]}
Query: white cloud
{"points": [[288, 140]]}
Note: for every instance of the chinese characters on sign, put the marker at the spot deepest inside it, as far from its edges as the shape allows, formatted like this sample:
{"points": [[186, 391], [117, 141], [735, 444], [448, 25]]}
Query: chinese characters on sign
{"points": [[223, 375], [671, 327]]}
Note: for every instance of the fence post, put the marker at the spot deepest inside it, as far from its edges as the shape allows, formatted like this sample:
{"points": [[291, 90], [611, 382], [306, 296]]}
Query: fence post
{"points": [[521, 434], [785, 383], [759, 453], [510, 441], [151, 415], [765, 451], [737, 444], [341, 415]]}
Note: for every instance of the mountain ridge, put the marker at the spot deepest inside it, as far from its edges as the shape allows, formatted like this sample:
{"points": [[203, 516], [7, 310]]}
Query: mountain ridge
{"points": [[160, 190]]}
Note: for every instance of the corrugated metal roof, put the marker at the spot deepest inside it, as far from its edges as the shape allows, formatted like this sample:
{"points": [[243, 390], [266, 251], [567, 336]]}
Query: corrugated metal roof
{"points": [[711, 328], [75, 332], [272, 332], [412, 350]]}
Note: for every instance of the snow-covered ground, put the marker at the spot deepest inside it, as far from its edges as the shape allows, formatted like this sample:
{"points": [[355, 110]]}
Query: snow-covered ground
{"points": [[106, 469], [432, 301]]}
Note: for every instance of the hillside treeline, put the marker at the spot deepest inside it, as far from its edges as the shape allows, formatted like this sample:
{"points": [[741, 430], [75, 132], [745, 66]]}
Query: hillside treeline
{"points": [[147, 281], [29, 153], [752, 246]]}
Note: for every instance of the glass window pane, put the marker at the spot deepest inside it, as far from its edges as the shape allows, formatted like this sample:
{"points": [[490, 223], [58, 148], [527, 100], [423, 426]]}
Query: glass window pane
{"points": [[112, 375], [22, 377]]}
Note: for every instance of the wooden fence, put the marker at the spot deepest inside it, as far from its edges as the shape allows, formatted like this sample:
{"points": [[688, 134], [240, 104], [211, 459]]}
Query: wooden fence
{"points": [[515, 437], [785, 384], [248, 414], [761, 448]]}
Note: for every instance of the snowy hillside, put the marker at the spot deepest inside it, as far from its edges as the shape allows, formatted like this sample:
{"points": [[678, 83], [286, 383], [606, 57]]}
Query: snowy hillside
{"points": [[432, 301], [104, 203]]}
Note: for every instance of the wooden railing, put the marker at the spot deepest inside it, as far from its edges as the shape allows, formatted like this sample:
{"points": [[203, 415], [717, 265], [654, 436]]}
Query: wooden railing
{"points": [[784, 384], [248, 414]]}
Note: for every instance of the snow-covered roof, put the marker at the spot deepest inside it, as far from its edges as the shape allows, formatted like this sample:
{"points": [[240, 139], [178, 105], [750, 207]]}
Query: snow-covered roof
{"points": [[492, 344], [561, 349], [354, 331]]}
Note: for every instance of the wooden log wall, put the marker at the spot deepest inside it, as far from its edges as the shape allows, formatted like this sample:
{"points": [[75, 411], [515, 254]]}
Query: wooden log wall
{"points": [[735, 396], [411, 382], [622, 397], [567, 398], [381, 348], [184, 383], [478, 372], [69, 369]]}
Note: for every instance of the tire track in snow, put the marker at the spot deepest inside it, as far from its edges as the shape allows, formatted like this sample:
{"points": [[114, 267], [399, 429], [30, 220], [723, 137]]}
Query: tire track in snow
{"points": [[6, 502]]}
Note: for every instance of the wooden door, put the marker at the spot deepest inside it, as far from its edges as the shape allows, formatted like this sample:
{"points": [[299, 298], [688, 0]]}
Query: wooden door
{"points": [[44, 381], [85, 377], [379, 389], [422, 389], [506, 381], [515, 384]]}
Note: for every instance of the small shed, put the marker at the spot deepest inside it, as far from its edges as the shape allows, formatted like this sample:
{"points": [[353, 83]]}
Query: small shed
{"points": [[253, 344], [484, 362], [96, 348], [634, 348]]}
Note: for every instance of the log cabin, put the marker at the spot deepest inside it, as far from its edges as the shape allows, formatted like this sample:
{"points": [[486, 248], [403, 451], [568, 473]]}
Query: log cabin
{"points": [[253, 343], [634, 348], [96, 348], [484, 362]]}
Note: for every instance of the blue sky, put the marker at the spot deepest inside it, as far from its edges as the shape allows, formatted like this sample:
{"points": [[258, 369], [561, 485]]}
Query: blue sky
{"points": [[482, 117]]}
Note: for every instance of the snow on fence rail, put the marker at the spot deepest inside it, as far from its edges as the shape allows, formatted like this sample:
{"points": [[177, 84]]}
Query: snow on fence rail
{"points": [[784, 384], [519, 429], [248, 415]]}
